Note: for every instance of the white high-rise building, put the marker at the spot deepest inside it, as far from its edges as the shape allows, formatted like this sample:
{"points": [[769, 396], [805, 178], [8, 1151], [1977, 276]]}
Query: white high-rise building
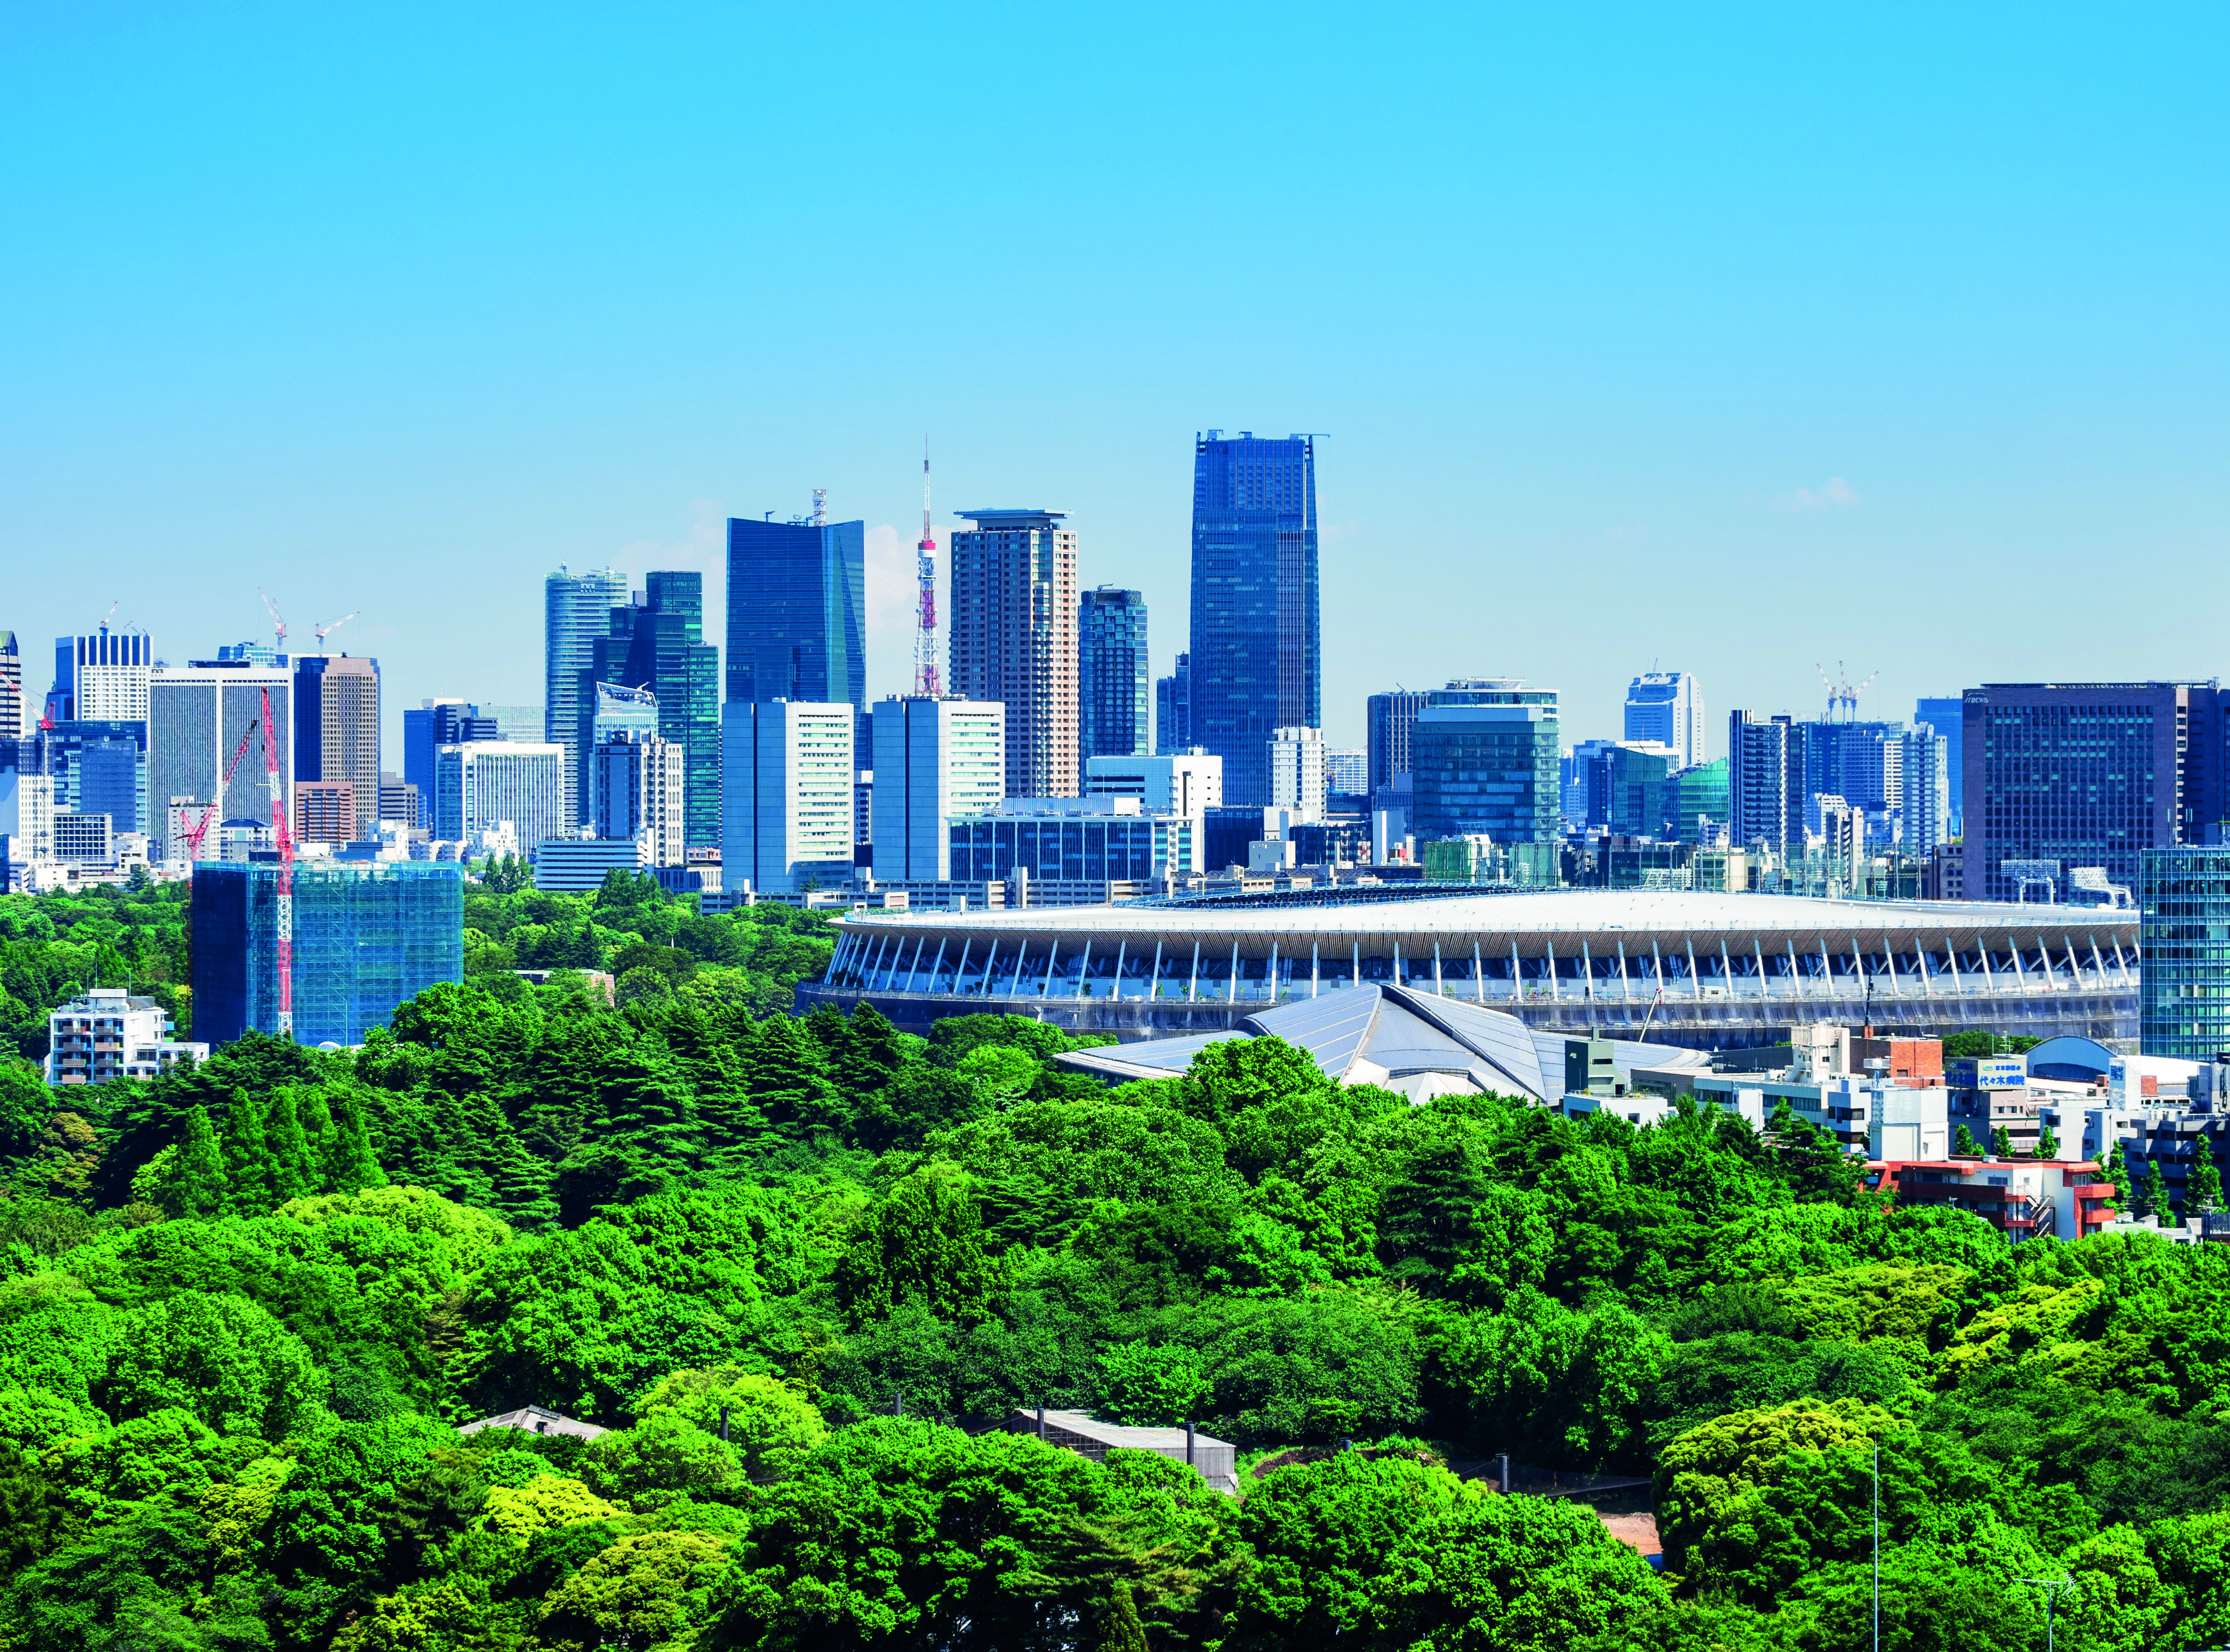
{"points": [[636, 790], [1178, 783], [786, 777], [479, 785], [1668, 706], [1297, 773], [1927, 789], [102, 677], [935, 761]]}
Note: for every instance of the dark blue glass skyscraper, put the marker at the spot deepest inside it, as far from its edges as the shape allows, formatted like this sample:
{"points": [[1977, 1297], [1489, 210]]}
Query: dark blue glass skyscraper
{"points": [[1256, 661], [1111, 674], [797, 598]]}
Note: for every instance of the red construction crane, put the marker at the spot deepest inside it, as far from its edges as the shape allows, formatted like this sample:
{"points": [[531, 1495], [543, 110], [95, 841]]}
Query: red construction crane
{"points": [[194, 834], [285, 839]]}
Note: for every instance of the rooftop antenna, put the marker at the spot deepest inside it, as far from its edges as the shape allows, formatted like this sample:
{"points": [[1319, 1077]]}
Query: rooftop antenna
{"points": [[820, 508], [924, 564], [277, 625]]}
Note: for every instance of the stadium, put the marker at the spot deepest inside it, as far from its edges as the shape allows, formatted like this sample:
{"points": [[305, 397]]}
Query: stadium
{"points": [[1704, 970]]}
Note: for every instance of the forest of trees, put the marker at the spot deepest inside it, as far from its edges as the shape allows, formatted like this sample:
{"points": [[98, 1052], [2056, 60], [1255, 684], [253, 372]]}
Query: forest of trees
{"points": [[244, 1307]]}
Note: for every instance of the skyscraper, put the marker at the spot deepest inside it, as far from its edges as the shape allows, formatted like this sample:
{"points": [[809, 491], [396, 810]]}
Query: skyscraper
{"points": [[637, 787], [797, 597], [1757, 780], [2087, 774], [1390, 719], [786, 796], [1948, 717], [197, 717], [480, 784], [102, 677], [1014, 640], [1256, 657], [1173, 710], [1668, 706], [1926, 785], [1297, 773], [577, 610], [935, 761], [1485, 750], [337, 729], [1111, 672], [655, 641], [2183, 951], [12, 721]]}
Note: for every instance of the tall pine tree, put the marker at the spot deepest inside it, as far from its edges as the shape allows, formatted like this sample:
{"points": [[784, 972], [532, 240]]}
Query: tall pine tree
{"points": [[788, 1080], [195, 1186], [294, 1174], [247, 1153], [2202, 1186], [351, 1165]]}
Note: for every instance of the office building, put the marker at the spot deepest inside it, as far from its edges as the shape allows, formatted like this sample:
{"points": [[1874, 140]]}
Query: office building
{"points": [[479, 785], [1256, 652], [579, 865], [1698, 802], [577, 612], [512, 722], [428, 726], [337, 729], [1014, 640], [1173, 709], [369, 935], [1757, 781], [797, 597], [638, 788], [326, 812], [2086, 775], [1072, 840], [104, 1033], [1948, 717], [2183, 951], [29, 817], [1297, 773], [655, 642], [935, 761], [1666, 708], [1925, 783], [83, 840], [1636, 785], [1177, 783], [102, 677], [398, 801], [198, 717], [1347, 772], [621, 710], [14, 724], [786, 795], [99, 767], [1388, 735], [1486, 752], [1111, 674]]}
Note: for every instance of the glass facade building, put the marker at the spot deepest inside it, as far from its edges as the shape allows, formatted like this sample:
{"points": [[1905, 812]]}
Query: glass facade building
{"points": [[577, 612], [1391, 719], [2183, 951], [1088, 847], [337, 729], [1947, 718], [368, 936], [798, 600], [197, 717], [1694, 795], [1256, 652], [656, 642], [99, 766], [1487, 761], [1111, 674], [1173, 710], [2086, 774]]}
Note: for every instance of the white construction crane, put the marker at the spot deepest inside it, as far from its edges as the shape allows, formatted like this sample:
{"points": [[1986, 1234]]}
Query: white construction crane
{"points": [[331, 626], [1840, 695], [277, 625]]}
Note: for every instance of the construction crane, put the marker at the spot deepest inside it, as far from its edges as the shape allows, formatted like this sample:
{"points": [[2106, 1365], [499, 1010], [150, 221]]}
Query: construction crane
{"points": [[194, 834], [285, 840], [1842, 694], [331, 626], [109, 615], [277, 625]]}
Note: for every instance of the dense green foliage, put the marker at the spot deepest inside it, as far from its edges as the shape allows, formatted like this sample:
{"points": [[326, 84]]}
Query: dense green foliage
{"points": [[52, 947], [244, 1307]]}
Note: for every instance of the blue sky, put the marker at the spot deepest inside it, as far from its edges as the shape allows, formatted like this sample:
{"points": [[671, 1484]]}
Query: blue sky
{"points": [[1733, 339]]}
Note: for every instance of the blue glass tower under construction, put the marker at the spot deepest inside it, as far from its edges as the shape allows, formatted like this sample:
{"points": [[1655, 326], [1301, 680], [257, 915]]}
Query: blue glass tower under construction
{"points": [[1256, 657]]}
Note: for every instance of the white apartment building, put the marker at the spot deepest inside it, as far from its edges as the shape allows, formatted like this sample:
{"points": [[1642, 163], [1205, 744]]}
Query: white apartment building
{"points": [[1668, 706], [935, 761], [109, 1034], [1297, 773], [786, 780]]}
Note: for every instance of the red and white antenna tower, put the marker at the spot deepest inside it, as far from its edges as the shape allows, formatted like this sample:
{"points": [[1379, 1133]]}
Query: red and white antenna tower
{"points": [[926, 679], [284, 838]]}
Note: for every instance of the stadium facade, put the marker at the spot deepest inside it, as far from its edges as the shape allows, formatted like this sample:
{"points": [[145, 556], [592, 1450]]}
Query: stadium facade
{"points": [[1700, 970]]}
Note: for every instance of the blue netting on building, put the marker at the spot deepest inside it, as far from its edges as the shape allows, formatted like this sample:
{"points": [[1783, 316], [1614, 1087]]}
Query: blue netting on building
{"points": [[367, 937]]}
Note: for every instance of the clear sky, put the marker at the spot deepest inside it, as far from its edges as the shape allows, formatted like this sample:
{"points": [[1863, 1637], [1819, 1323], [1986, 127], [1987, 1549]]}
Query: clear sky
{"points": [[1736, 340]]}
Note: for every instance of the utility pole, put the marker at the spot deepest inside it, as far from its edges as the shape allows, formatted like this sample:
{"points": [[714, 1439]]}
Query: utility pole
{"points": [[2052, 1586], [1877, 1544]]}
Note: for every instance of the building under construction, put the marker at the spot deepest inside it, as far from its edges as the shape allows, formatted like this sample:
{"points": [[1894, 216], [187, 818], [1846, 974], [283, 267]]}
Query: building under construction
{"points": [[367, 937]]}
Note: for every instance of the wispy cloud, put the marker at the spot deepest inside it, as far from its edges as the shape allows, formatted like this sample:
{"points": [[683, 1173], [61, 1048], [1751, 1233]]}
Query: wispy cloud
{"points": [[1835, 495]]}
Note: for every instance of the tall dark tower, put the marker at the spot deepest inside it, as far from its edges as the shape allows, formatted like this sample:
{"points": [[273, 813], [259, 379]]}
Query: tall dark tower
{"points": [[1257, 659]]}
